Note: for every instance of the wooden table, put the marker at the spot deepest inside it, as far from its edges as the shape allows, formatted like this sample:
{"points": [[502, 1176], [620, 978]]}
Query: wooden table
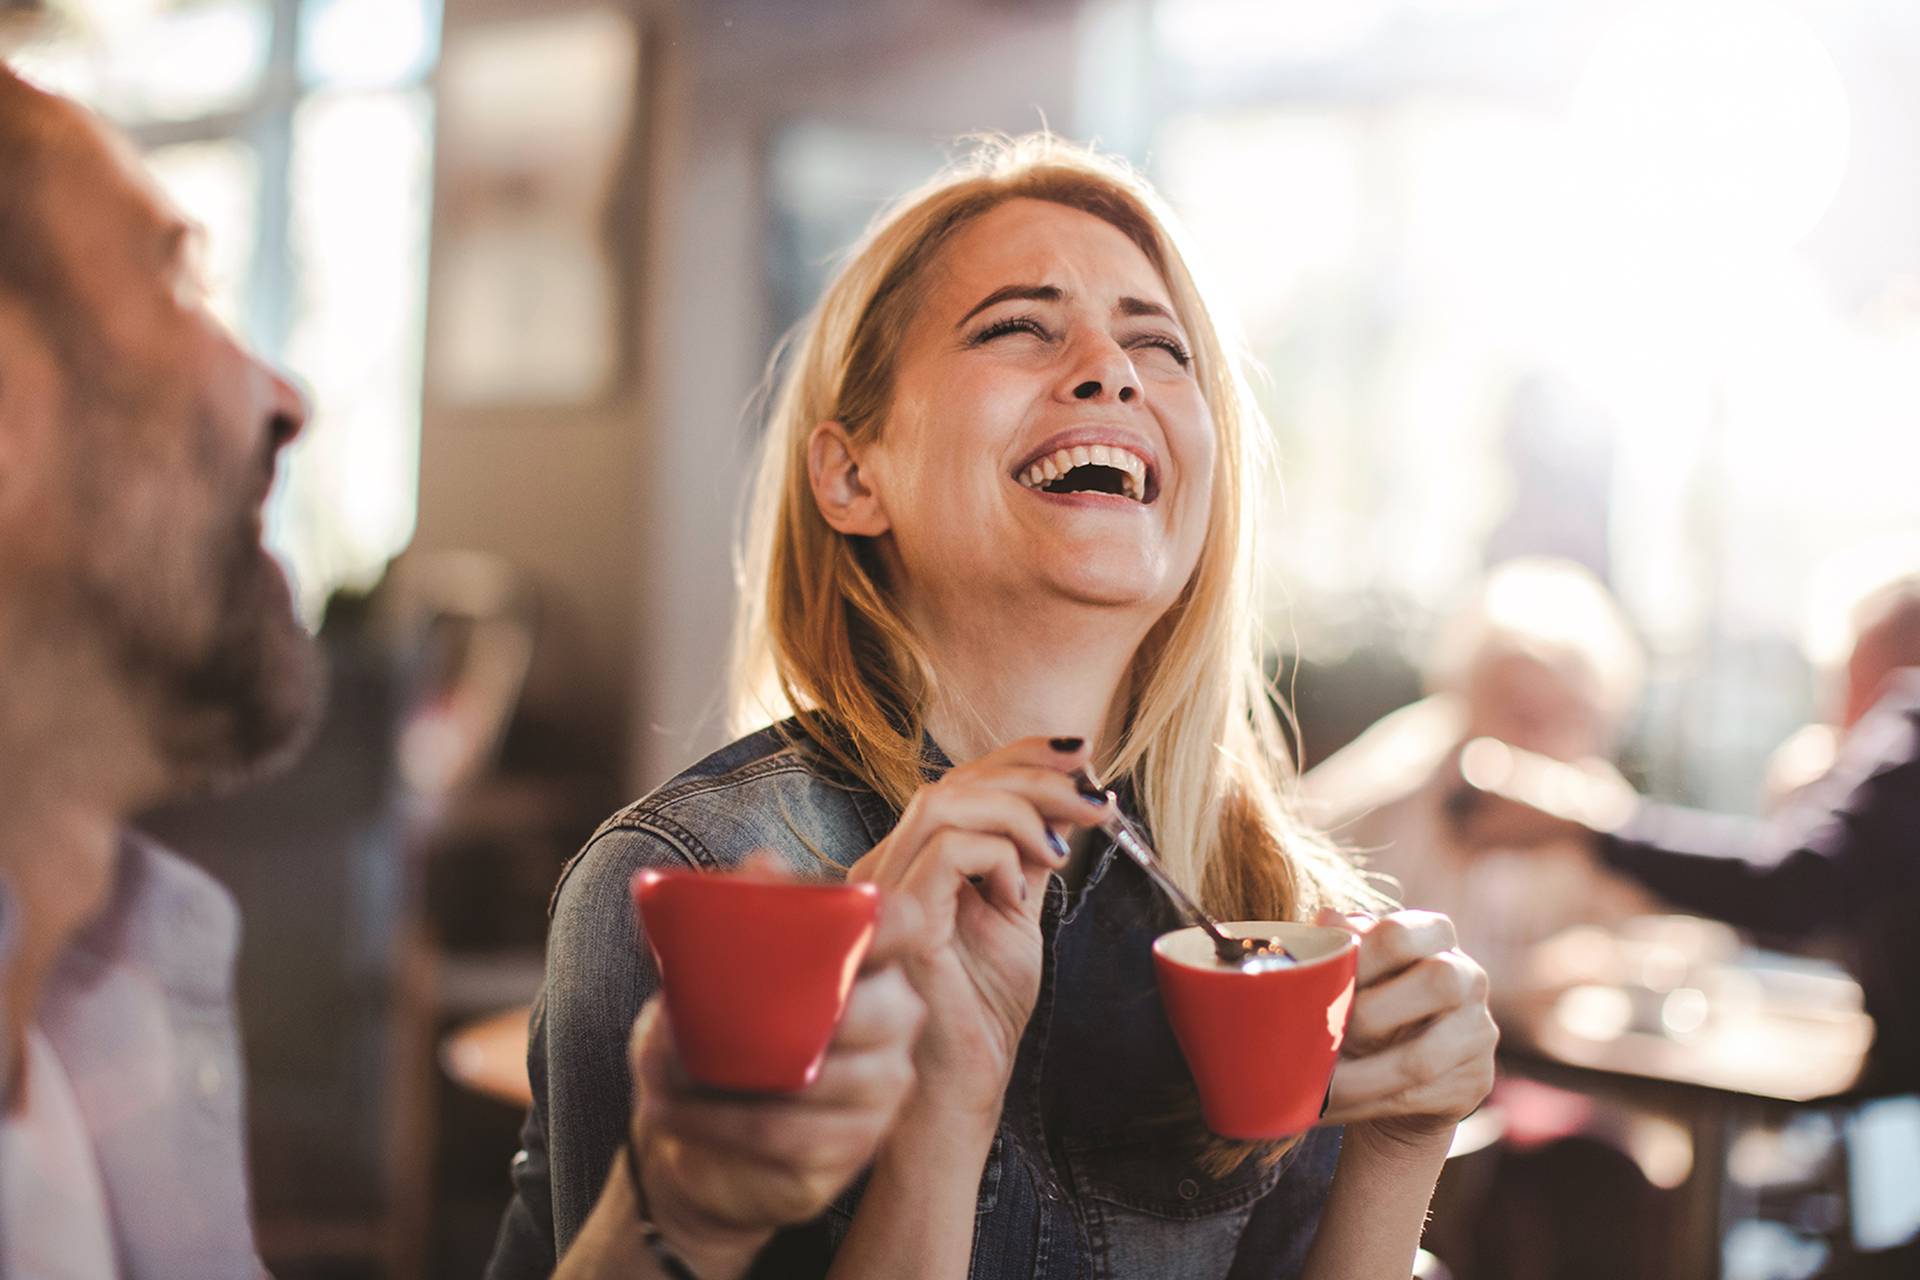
{"points": [[489, 1056], [1733, 1038]]}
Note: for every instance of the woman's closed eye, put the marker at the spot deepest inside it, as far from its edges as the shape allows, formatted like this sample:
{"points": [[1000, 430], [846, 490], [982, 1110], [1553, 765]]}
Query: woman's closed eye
{"points": [[1010, 325], [1164, 342], [1032, 326]]}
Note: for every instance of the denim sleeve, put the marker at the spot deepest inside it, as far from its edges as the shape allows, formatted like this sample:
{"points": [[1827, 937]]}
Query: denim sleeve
{"points": [[599, 972], [523, 1248]]}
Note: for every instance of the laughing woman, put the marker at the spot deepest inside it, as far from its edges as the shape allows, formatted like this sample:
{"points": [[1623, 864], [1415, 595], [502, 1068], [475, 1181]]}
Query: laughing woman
{"points": [[1003, 529]]}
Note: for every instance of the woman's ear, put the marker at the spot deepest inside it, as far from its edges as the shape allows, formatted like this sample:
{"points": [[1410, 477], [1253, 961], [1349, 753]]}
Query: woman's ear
{"points": [[845, 495]]}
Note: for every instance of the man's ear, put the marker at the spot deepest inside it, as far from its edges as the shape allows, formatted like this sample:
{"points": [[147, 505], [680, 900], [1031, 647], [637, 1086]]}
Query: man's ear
{"points": [[845, 495]]}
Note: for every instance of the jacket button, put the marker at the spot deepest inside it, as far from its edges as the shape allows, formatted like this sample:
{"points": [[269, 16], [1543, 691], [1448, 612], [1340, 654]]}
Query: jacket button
{"points": [[1188, 1188]]}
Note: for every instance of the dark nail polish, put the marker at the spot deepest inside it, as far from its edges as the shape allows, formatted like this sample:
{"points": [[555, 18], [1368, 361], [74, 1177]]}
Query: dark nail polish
{"points": [[1068, 745], [1055, 843], [1092, 793]]}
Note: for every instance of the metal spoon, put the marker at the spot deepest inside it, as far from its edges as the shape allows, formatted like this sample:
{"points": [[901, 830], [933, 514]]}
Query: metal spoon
{"points": [[1247, 953]]}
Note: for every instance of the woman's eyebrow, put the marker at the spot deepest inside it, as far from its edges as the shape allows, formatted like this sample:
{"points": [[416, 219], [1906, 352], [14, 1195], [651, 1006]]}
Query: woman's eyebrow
{"points": [[1127, 306], [1144, 307], [1006, 293]]}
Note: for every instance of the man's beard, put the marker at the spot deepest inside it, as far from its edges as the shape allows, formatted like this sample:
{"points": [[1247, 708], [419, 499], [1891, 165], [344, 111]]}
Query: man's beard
{"points": [[233, 701], [247, 699]]}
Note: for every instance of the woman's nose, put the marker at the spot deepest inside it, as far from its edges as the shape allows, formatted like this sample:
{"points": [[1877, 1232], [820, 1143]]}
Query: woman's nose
{"points": [[1093, 389], [1102, 373]]}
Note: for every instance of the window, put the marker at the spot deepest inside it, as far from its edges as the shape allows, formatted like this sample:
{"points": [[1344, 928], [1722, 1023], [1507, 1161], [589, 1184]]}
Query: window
{"points": [[1630, 284], [300, 133]]}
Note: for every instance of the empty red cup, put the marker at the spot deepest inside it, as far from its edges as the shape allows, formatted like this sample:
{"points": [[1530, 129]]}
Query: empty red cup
{"points": [[756, 973], [1261, 1044]]}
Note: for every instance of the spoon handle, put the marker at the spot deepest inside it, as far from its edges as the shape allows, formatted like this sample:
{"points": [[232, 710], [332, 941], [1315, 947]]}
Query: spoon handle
{"points": [[1121, 830]]}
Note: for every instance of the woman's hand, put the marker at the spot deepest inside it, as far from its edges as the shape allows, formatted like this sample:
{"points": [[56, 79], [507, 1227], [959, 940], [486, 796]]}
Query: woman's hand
{"points": [[723, 1172], [973, 850], [1418, 1056]]}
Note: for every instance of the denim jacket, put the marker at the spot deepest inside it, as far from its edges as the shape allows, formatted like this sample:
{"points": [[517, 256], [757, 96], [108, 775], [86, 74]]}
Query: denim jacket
{"points": [[1093, 1172]]}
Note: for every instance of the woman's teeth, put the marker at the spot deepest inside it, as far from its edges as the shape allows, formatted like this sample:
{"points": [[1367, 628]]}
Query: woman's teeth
{"points": [[1055, 466]]}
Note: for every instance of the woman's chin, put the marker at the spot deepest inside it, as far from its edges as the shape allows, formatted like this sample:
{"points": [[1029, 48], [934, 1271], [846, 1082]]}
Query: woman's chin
{"points": [[1139, 586]]}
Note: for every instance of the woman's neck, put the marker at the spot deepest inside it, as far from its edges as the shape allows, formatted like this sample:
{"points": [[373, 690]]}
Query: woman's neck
{"points": [[1063, 672]]}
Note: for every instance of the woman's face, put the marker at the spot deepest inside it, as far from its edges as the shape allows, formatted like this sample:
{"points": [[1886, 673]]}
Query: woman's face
{"points": [[1047, 438]]}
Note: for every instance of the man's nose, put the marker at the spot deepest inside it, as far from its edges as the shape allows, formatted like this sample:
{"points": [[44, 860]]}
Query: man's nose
{"points": [[287, 408]]}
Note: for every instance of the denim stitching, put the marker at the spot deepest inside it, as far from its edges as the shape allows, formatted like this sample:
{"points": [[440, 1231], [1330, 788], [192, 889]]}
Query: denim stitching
{"points": [[785, 762], [1223, 1203], [684, 844], [1041, 1027], [1042, 1237]]}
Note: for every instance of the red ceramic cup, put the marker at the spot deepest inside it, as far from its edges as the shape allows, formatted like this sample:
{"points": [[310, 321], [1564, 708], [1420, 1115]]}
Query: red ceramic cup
{"points": [[1261, 1045], [756, 973]]}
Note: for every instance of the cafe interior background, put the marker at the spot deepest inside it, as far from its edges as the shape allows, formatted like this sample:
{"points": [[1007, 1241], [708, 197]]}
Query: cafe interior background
{"points": [[1637, 286]]}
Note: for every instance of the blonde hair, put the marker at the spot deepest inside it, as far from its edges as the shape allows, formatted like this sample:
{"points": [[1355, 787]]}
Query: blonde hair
{"points": [[819, 634]]}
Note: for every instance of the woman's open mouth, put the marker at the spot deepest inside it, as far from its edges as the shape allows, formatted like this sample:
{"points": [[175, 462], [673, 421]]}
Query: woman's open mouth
{"points": [[1095, 468]]}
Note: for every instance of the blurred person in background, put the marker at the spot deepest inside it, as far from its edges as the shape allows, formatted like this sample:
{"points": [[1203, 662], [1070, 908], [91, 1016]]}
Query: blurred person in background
{"points": [[1540, 657], [150, 649], [1003, 531], [1840, 856], [1859, 612]]}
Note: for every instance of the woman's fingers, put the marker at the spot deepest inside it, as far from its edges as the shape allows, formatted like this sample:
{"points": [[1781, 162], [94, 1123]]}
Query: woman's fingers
{"points": [[874, 1078], [784, 1134], [1396, 941], [1035, 768], [1426, 989], [990, 863], [985, 808], [883, 1009], [1419, 1041], [1021, 793], [1449, 1060], [764, 864], [899, 931], [1021, 804], [833, 1124]]}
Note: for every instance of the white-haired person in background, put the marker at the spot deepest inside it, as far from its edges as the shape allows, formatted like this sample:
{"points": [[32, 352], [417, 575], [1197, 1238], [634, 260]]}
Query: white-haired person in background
{"points": [[1539, 657]]}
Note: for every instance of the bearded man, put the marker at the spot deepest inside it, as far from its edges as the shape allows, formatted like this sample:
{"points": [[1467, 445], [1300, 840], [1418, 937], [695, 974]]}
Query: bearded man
{"points": [[148, 649]]}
